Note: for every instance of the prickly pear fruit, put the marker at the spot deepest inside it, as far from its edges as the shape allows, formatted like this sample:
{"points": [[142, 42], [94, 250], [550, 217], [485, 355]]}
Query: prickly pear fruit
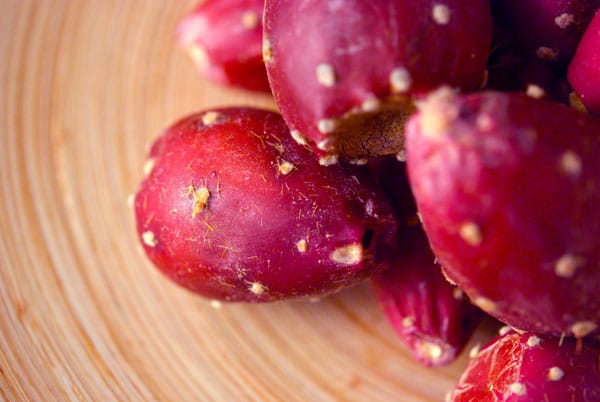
{"points": [[432, 318], [224, 39], [584, 70], [234, 209], [343, 73], [525, 367], [543, 29], [508, 188]]}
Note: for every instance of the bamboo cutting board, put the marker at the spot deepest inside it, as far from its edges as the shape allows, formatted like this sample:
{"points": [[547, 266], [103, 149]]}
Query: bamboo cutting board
{"points": [[85, 85]]}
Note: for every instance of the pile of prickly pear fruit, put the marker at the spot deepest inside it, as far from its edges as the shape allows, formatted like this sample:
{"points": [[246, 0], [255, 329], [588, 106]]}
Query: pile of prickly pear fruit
{"points": [[448, 150]]}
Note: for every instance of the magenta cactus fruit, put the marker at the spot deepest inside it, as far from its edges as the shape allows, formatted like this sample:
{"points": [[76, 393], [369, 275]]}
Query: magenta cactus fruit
{"points": [[224, 39], [508, 188], [234, 209], [543, 29], [525, 367], [584, 70], [343, 72], [433, 318]]}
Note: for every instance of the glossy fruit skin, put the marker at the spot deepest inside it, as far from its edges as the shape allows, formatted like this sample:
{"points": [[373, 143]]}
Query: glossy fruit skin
{"points": [[224, 39], [343, 73], [524, 367], [234, 209], [433, 318], [584, 70], [508, 188]]}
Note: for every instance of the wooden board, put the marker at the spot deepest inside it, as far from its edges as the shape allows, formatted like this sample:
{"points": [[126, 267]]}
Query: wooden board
{"points": [[84, 86]]}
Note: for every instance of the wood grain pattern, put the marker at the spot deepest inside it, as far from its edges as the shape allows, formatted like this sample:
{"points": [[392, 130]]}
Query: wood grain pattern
{"points": [[84, 86]]}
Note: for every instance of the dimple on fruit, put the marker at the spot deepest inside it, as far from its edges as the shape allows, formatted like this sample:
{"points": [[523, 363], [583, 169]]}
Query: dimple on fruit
{"points": [[234, 209]]}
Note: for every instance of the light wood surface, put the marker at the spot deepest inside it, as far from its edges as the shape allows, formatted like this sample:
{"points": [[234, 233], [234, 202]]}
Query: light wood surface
{"points": [[85, 85]]}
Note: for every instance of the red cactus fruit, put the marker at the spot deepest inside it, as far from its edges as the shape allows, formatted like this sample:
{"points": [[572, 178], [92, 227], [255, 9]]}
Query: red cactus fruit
{"points": [[508, 188], [234, 209], [343, 72], [224, 39], [584, 70], [543, 29], [433, 318], [525, 367]]}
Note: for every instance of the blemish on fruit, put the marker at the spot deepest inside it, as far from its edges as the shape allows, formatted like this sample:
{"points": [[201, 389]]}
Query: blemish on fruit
{"points": [[484, 122], [149, 166], [212, 117], [400, 80], [285, 167], [250, 19], [474, 352], [267, 50], [149, 239], [199, 197], [518, 388], [533, 341], [441, 14], [547, 53], [570, 163], [198, 55], [485, 304], [370, 104], [347, 255], [458, 294], [326, 126], [535, 91], [567, 265], [504, 330], [408, 321], [302, 245], [564, 20], [582, 328], [326, 75], [470, 232], [257, 288], [431, 350], [555, 374], [576, 103], [328, 160], [298, 137], [438, 112]]}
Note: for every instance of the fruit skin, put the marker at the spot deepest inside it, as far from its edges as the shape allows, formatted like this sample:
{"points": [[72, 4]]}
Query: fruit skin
{"points": [[234, 209], [343, 73], [547, 30], [224, 39], [524, 367], [584, 70], [508, 188], [433, 318]]}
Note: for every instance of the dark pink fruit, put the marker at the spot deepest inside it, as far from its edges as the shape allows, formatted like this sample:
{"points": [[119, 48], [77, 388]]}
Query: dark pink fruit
{"points": [[432, 318], [528, 368], [343, 72], [508, 188], [584, 70], [234, 209], [224, 39], [548, 30]]}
